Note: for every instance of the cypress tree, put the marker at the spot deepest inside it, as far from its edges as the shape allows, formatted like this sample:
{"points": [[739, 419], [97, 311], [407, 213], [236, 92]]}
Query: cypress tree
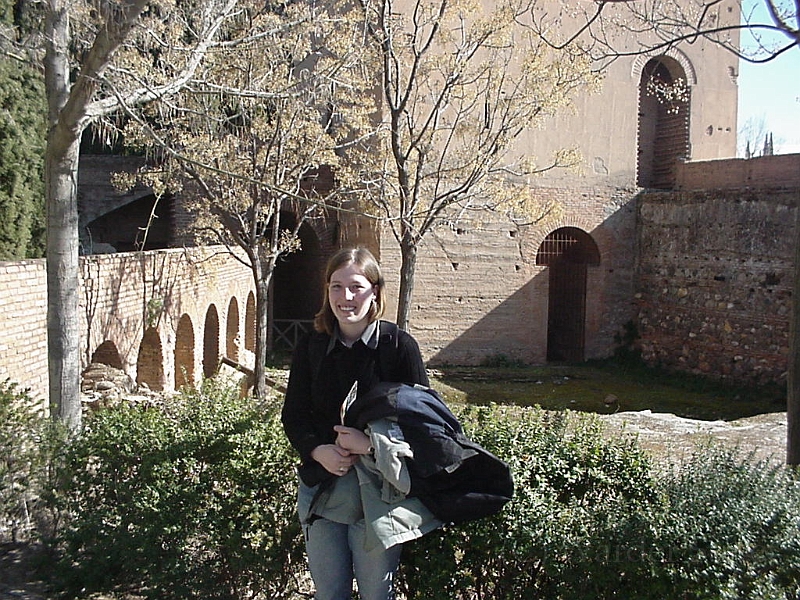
{"points": [[22, 138]]}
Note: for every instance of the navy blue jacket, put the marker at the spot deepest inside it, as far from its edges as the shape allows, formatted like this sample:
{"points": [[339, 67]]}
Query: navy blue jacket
{"points": [[456, 478]]}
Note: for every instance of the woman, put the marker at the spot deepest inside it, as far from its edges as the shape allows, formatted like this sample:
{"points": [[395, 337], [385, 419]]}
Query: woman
{"points": [[350, 350]]}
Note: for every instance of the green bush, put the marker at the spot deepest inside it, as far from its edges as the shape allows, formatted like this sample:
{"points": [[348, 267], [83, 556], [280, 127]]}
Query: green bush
{"points": [[195, 499], [591, 519], [28, 441], [733, 527], [571, 486]]}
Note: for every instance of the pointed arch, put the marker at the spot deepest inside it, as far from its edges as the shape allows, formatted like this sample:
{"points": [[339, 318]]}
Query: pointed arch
{"points": [[184, 352], [107, 354], [211, 342], [250, 323], [232, 330], [663, 127]]}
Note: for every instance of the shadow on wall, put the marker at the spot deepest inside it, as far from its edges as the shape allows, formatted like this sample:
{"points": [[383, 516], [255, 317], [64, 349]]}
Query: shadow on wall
{"points": [[577, 299]]}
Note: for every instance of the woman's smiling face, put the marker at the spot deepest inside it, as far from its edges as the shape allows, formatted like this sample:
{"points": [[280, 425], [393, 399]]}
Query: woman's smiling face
{"points": [[350, 295]]}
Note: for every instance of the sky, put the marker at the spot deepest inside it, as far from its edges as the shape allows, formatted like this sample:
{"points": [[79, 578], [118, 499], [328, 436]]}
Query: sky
{"points": [[771, 91]]}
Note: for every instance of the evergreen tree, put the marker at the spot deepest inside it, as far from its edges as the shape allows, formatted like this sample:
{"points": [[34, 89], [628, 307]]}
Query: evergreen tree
{"points": [[22, 129], [22, 136]]}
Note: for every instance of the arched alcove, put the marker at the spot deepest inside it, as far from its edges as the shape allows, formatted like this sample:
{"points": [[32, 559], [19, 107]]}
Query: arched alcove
{"points": [[107, 354], [211, 342], [567, 252], [184, 352], [232, 330], [142, 224], [149, 363], [250, 323], [663, 129]]}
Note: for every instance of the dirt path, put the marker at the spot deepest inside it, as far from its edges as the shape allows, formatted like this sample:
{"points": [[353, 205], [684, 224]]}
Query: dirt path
{"points": [[676, 437]]}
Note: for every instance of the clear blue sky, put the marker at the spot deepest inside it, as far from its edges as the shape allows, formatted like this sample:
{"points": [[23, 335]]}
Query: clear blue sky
{"points": [[771, 92]]}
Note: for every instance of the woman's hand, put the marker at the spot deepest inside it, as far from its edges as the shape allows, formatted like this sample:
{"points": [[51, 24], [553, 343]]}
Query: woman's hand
{"points": [[353, 440], [334, 458]]}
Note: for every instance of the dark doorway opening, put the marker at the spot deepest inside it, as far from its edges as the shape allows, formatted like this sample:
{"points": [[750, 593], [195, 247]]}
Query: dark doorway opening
{"points": [[297, 288], [567, 252]]}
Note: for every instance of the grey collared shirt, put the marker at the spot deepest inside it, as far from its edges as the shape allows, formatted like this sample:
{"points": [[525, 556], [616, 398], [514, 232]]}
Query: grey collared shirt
{"points": [[370, 337]]}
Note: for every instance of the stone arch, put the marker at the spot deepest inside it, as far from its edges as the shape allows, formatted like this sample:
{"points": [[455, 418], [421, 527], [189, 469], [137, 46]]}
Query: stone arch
{"points": [[567, 252], [232, 330], [107, 354], [184, 352], [250, 323], [149, 363], [211, 342], [663, 126], [677, 55]]}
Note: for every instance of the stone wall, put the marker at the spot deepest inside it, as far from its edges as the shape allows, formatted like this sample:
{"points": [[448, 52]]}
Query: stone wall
{"points": [[714, 281]]}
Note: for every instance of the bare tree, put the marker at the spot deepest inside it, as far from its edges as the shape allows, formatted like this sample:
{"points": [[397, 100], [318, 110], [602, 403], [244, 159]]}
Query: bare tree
{"points": [[98, 59], [260, 138], [457, 86], [605, 28]]}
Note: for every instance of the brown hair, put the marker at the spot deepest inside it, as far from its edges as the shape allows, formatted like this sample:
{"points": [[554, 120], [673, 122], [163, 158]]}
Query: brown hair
{"points": [[325, 320]]}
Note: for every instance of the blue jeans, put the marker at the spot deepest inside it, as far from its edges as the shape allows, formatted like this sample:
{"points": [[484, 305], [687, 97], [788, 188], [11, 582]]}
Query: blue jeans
{"points": [[336, 552]]}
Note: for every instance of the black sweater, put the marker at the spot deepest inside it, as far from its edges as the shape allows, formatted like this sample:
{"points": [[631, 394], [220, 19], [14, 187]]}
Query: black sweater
{"points": [[313, 399]]}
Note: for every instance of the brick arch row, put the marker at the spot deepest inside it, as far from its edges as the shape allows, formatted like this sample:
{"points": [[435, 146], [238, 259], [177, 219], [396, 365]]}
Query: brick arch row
{"points": [[170, 359]]}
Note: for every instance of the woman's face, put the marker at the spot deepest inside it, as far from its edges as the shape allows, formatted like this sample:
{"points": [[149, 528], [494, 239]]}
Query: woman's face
{"points": [[350, 295]]}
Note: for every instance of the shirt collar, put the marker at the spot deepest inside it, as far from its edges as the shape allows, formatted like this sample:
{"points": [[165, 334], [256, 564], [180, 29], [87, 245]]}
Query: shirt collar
{"points": [[369, 338]]}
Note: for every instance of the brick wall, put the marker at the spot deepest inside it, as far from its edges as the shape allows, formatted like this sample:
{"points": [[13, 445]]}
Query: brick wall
{"points": [[479, 293], [764, 172], [23, 324], [131, 304]]}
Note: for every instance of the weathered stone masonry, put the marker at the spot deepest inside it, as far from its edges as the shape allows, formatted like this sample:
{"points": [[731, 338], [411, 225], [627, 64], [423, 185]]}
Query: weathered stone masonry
{"points": [[715, 270]]}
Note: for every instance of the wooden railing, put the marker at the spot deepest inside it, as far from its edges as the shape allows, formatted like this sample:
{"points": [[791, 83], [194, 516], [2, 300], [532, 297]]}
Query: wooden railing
{"points": [[286, 332]]}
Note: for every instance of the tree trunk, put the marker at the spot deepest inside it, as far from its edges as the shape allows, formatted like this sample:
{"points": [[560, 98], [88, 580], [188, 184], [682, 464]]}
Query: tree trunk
{"points": [[262, 330], [61, 190], [408, 267], [63, 285], [793, 392]]}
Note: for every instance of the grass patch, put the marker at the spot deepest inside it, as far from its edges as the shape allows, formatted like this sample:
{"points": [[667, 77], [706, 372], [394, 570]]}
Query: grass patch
{"points": [[592, 386]]}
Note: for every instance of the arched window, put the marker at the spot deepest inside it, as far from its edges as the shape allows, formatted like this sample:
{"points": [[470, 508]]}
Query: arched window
{"points": [[664, 104]]}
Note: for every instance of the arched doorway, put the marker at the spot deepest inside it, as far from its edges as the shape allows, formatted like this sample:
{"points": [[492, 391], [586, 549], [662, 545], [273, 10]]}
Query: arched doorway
{"points": [[297, 290], [663, 138], [567, 252]]}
